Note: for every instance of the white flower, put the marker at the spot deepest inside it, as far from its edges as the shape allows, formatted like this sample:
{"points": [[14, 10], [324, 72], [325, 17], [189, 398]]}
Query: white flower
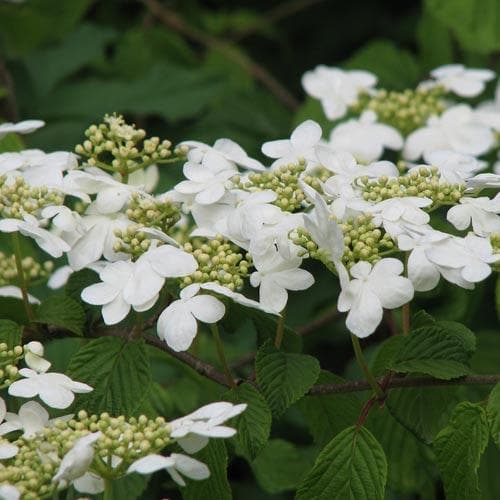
{"points": [[144, 178], [224, 151], [481, 212], [59, 277], [33, 357], [372, 289], [31, 227], [453, 167], [15, 291], [461, 80], [192, 431], [77, 461], [7, 491], [394, 214], [301, 145], [275, 275], [365, 138], [176, 464], [177, 323], [336, 89], [456, 129], [25, 127], [468, 259], [482, 181], [7, 449], [54, 389], [62, 217], [89, 483], [32, 418]]}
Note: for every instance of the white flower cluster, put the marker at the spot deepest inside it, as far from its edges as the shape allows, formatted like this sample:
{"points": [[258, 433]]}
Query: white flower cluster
{"points": [[233, 223]]}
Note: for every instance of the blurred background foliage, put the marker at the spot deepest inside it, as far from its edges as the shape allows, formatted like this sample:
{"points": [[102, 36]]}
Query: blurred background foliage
{"points": [[189, 69]]}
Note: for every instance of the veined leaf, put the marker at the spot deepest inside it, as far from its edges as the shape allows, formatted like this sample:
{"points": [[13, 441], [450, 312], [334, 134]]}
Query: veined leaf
{"points": [[493, 410], [284, 377], [61, 310], [352, 466], [459, 447], [10, 333]]}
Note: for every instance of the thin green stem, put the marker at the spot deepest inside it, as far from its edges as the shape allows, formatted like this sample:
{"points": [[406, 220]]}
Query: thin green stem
{"points": [[280, 330], [20, 276], [108, 490], [222, 355], [364, 366]]}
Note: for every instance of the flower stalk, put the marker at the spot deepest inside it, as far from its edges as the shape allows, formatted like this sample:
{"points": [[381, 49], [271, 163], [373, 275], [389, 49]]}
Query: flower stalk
{"points": [[21, 278], [364, 366], [222, 356]]}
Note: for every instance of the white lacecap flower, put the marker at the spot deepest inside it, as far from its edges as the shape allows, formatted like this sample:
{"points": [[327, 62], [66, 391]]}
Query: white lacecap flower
{"points": [[365, 138], [175, 464], [481, 212], [193, 431], [31, 418], [301, 145], [336, 88], [54, 389], [77, 461], [25, 127], [177, 324], [372, 289], [457, 129], [462, 81], [275, 275]]}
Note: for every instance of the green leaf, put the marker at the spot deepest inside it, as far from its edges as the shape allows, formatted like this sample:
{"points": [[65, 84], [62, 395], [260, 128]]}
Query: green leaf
{"points": [[326, 415], [214, 455], [351, 466], [254, 424], [78, 281], [493, 410], [385, 355], [78, 49], [458, 449], [395, 68], [422, 410], [421, 318], [13, 309], [475, 23], [280, 466], [10, 143], [409, 462], [284, 377], [489, 479], [119, 372], [61, 310], [10, 333], [442, 350], [497, 297], [130, 487]]}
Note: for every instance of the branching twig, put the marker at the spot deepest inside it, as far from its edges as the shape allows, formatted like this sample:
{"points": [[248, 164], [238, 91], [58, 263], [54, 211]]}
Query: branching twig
{"points": [[173, 21]]}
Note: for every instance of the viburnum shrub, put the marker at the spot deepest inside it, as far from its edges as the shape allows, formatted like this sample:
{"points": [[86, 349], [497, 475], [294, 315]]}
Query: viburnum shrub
{"points": [[394, 199]]}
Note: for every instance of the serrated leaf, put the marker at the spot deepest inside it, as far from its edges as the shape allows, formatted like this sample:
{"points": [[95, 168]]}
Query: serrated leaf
{"points": [[254, 424], [458, 449], [280, 466], [475, 23], [409, 461], [119, 372], [394, 67], [352, 466], [10, 333], [13, 309], [385, 355], [130, 487], [284, 377], [421, 318], [424, 411], [493, 410], [441, 350], [78, 281], [328, 414], [214, 455], [61, 310]]}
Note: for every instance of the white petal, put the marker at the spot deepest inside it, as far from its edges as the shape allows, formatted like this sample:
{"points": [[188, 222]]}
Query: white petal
{"points": [[177, 326], [24, 388], [7, 450], [56, 397], [150, 464], [172, 262], [206, 308], [99, 294], [190, 467], [294, 279], [365, 314], [192, 443], [89, 483], [272, 295], [306, 135]]}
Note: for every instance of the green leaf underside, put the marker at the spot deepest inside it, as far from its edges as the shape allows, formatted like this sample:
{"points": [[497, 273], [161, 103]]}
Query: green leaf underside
{"points": [[119, 372], [254, 424], [458, 449], [284, 377], [352, 466]]}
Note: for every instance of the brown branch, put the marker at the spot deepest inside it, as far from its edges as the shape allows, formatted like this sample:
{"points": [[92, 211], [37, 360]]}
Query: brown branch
{"points": [[318, 323], [172, 20], [403, 382]]}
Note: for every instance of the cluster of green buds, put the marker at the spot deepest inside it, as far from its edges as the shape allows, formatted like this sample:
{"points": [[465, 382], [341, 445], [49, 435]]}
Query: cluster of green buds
{"points": [[151, 212], [317, 177], [424, 182], [132, 241], [406, 111], [116, 146], [364, 241], [38, 458], [9, 358], [284, 181], [218, 261], [32, 269], [19, 198]]}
